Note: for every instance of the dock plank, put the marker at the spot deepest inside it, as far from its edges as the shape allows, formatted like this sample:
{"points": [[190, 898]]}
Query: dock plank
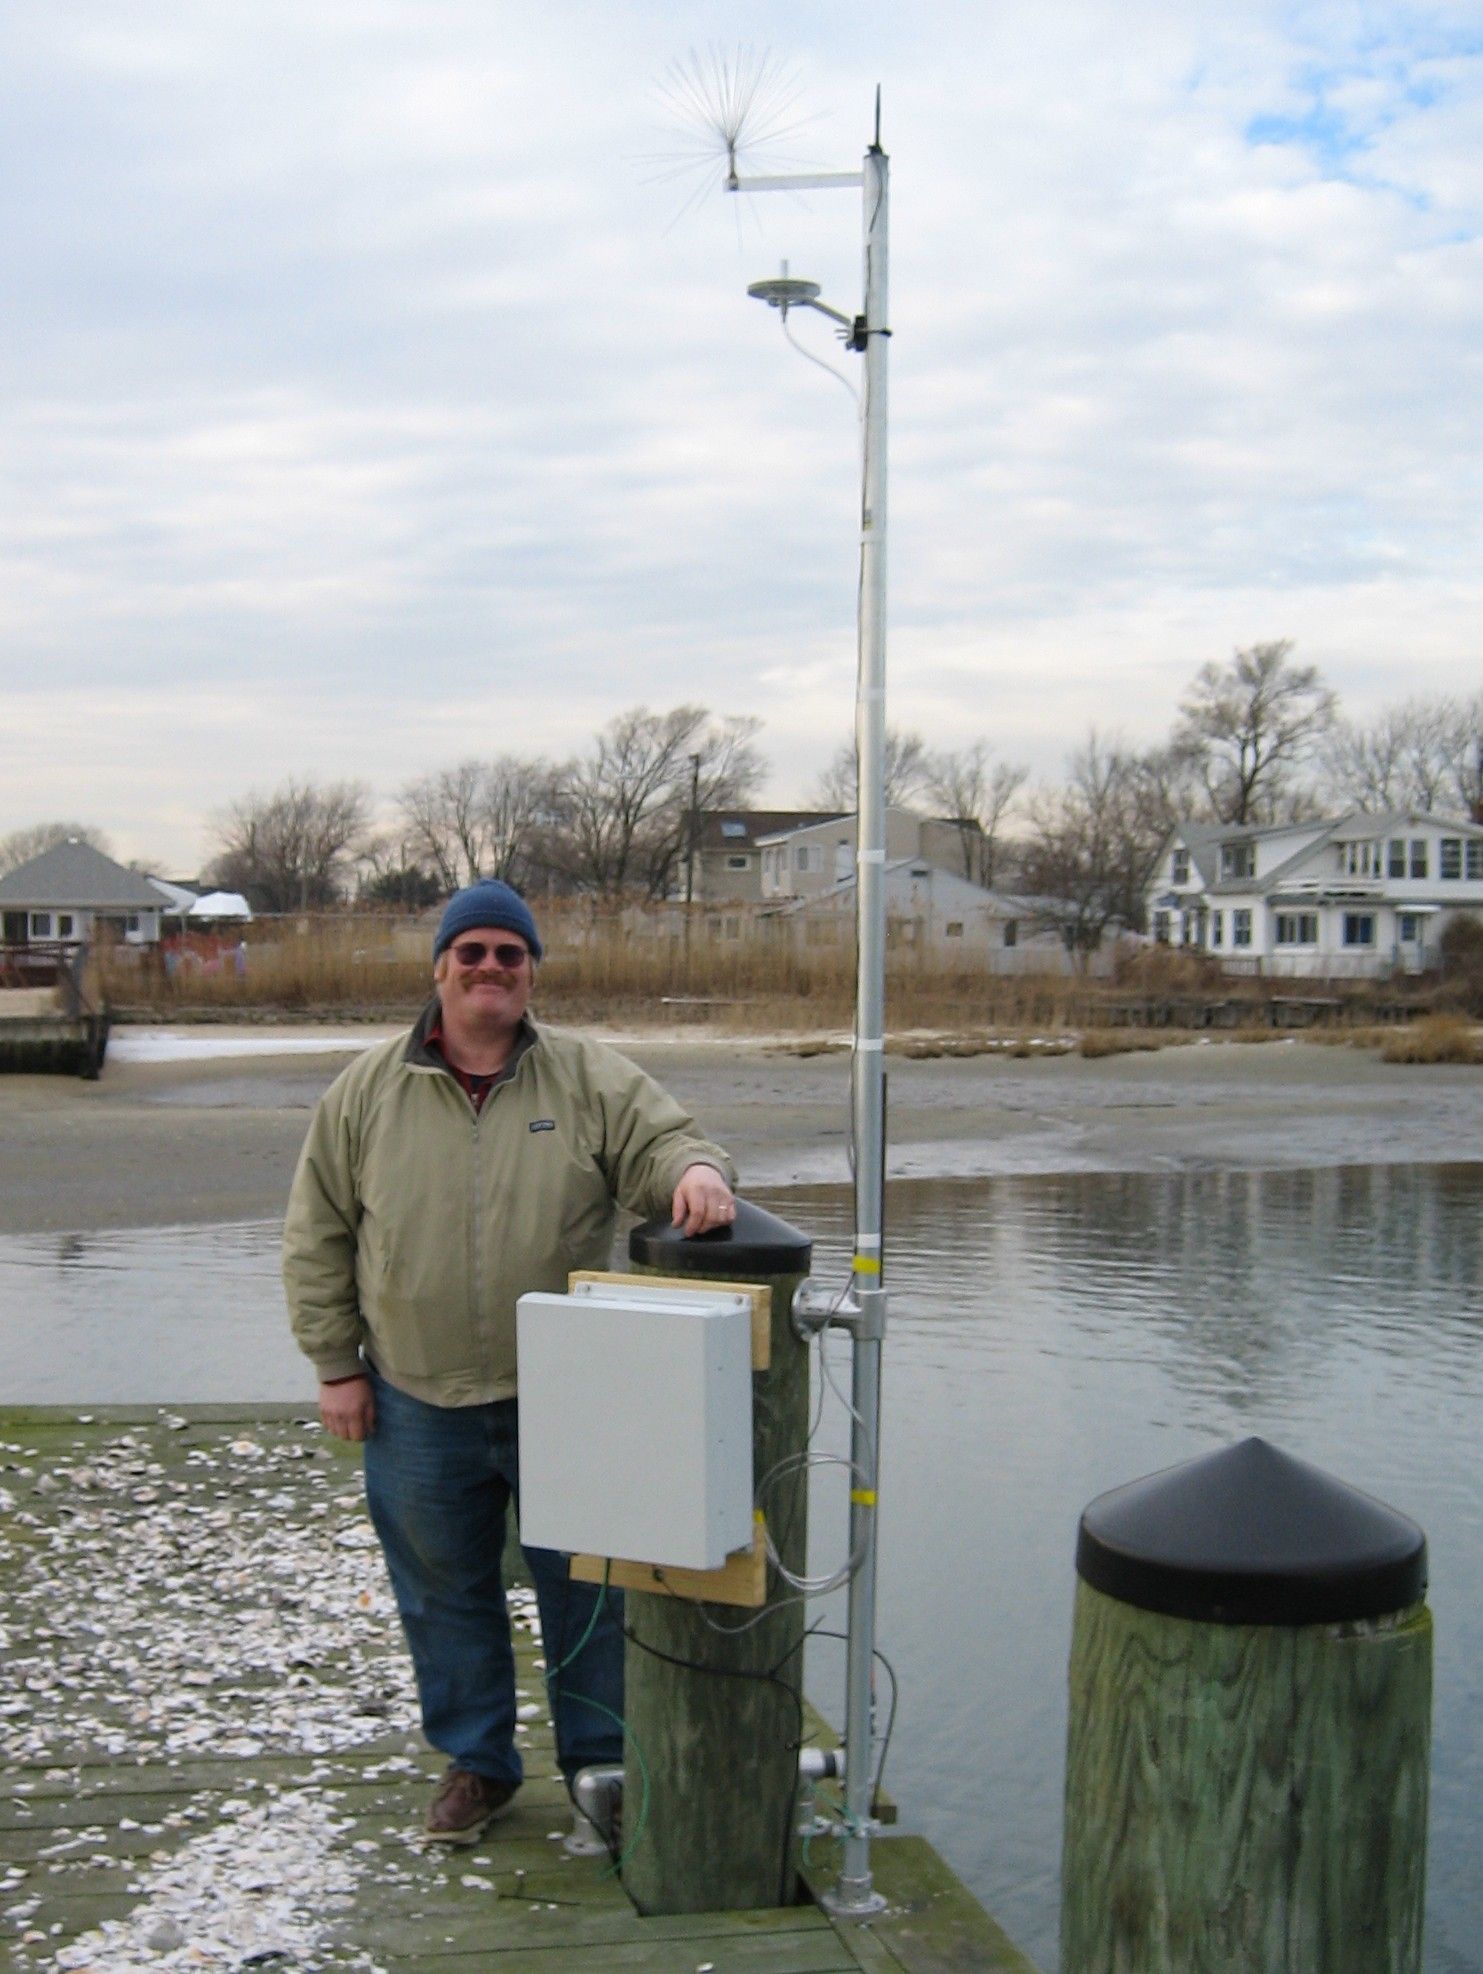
{"points": [[199, 1652], [932, 1923]]}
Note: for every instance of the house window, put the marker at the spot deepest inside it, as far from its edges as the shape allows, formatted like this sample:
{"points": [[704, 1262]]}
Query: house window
{"points": [[1451, 857], [1179, 867], [1297, 928], [1217, 928], [730, 828], [1359, 928], [954, 928], [1160, 929], [1359, 859], [1409, 926], [800, 857], [738, 863], [731, 928], [41, 925], [1241, 928], [1475, 856], [1011, 932], [64, 925], [1238, 860], [1418, 856], [1396, 867], [132, 922]]}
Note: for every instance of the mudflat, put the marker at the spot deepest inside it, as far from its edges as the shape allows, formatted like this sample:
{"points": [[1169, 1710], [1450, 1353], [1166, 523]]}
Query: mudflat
{"points": [[214, 1136]]}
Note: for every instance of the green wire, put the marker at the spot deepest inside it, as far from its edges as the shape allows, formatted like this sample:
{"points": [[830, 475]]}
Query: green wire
{"points": [[584, 1699], [597, 1610], [643, 1817]]}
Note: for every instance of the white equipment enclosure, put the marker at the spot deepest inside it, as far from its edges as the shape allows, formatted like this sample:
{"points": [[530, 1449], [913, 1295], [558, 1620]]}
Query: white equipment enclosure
{"points": [[636, 1422]]}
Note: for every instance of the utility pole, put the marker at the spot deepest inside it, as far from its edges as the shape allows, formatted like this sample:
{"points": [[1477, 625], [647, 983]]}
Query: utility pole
{"points": [[690, 859]]}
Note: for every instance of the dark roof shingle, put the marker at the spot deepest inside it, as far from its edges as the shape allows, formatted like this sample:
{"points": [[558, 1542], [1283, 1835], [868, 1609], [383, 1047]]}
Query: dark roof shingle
{"points": [[74, 874]]}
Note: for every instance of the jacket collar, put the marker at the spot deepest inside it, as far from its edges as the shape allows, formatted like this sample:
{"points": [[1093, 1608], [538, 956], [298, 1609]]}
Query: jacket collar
{"points": [[417, 1055]]}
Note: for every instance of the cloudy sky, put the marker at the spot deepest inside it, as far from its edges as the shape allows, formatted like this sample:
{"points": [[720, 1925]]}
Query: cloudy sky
{"points": [[377, 390]]}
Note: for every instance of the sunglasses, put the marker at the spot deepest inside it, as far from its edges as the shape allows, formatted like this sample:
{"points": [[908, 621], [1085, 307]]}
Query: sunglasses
{"points": [[471, 952]]}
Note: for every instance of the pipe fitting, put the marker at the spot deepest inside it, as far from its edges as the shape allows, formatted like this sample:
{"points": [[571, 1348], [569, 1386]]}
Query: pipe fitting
{"points": [[597, 1794], [821, 1764], [818, 1308]]}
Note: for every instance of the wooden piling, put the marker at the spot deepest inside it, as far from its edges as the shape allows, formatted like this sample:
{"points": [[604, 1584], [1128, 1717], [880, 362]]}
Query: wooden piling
{"points": [[1247, 1760], [713, 1692]]}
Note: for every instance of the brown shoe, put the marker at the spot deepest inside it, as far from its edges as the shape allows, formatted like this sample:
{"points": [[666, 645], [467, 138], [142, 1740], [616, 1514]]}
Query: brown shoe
{"points": [[465, 1806]]}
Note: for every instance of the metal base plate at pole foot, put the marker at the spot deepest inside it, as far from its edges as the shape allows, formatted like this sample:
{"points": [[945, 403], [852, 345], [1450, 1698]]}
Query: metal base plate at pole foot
{"points": [[852, 1898]]}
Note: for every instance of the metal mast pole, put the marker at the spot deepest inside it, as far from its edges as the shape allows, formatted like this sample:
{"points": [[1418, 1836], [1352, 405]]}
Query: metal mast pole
{"points": [[863, 1311], [854, 1894]]}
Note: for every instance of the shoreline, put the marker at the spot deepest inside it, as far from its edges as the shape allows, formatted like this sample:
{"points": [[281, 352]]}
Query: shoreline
{"points": [[194, 1136]]}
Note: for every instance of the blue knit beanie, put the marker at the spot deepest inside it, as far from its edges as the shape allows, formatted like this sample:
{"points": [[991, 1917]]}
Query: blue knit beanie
{"points": [[486, 903]]}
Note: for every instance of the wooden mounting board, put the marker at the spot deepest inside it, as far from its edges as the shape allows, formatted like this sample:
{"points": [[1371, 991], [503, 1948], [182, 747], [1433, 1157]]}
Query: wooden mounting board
{"points": [[758, 1292], [741, 1579]]}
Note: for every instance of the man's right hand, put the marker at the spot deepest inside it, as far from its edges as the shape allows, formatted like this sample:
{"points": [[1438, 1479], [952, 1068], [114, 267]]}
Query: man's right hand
{"points": [[347, 1408]]}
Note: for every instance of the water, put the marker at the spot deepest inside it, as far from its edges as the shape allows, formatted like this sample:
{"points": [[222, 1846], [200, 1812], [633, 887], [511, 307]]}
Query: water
{"points": [[1050, 1337], [1053, 1337], [142, 1316]]}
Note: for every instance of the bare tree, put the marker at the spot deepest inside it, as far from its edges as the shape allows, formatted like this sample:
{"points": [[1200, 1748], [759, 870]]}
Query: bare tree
{"points": [[478, 819], [974, 793], [292, 850], [1419, 756], [390, 873], [722, 771], [1167, 787], [1398, 761], [1251, 724], [443, 814], [625, 806], [1093, 844], [519, 806], [905, 772], [21, 845], [1465, 754]]}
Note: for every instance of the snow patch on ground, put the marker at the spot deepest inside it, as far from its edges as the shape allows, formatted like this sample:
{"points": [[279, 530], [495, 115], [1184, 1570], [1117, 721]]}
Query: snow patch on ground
{"points": [[170, 1045]]}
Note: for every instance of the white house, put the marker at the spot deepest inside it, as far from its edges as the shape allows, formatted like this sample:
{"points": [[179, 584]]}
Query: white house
{"points": [[933, 910], [70, 893], [1353, 895]]}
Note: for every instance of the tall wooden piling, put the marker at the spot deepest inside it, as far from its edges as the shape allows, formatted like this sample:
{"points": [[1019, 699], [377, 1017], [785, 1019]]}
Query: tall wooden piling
{"points": [[714, 1709], [1247, 1759]]}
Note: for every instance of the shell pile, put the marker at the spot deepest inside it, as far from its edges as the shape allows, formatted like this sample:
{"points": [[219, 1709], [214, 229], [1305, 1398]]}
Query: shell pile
{"points": [[171, 1595]]}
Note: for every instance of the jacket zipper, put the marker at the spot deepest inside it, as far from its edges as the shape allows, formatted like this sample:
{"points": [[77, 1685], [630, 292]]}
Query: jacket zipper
{"points": [[475, 1297]]}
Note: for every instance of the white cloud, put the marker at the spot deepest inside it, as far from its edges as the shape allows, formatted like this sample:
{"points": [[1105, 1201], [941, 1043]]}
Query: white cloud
{"points": [[363, 376]]}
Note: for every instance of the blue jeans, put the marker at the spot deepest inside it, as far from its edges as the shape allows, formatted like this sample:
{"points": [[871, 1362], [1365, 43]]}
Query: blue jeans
{"points": [[438, 1479]]}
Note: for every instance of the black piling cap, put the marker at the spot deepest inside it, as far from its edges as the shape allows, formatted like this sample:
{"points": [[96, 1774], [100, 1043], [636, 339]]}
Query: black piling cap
{"points": [[756, 1243], [1250, 1535]]}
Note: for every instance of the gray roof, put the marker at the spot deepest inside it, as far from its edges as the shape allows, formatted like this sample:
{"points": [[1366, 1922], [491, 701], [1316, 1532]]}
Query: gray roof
{"points": [[74, 874], [739, 829]]}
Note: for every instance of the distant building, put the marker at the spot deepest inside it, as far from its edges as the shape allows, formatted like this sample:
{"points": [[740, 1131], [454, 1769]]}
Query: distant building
{"points": [[178, 898], [934, 911], [1354, 895], [808, 859], [728, 861], [71, 893]]}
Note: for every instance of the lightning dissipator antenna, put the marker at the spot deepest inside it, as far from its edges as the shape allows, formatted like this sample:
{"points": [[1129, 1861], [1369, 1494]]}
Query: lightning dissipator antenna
{"points": [[735, 108]]}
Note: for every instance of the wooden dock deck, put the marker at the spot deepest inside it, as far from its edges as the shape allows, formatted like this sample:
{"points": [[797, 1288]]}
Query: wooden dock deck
{"points": [[210, 1758]]}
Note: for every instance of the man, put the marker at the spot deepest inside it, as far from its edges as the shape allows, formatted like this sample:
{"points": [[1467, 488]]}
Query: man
{"points": [[445, 1173]]}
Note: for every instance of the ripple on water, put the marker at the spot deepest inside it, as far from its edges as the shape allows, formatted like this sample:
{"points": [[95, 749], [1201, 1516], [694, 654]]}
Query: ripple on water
{"points": [[1050, 1337]]}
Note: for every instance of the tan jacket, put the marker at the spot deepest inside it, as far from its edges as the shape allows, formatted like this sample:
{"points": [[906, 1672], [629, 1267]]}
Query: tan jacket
{"points": [[414, 1223]]}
